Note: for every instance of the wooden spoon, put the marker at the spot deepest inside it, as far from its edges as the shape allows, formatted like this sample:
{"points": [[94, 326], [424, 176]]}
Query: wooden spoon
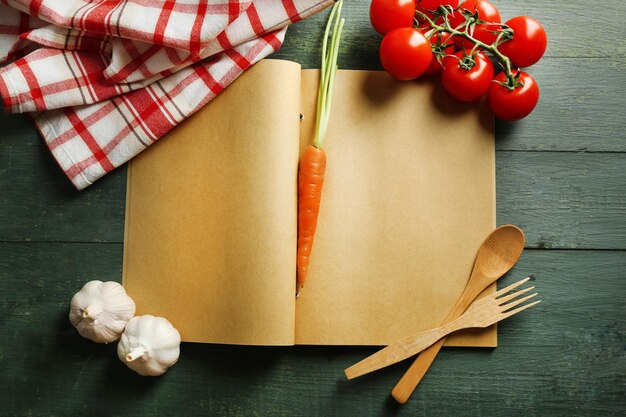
{"points": [[496, 256]]}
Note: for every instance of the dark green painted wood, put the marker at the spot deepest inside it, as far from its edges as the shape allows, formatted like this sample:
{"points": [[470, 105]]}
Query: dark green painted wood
{"points": [[584, 98], [37, 201], [562, 200], [564, 357], [561, 175], [575, 28]]}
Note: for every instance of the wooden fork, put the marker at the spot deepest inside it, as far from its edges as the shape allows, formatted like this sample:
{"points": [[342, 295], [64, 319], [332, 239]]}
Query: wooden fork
{"points": [[482, 313]]}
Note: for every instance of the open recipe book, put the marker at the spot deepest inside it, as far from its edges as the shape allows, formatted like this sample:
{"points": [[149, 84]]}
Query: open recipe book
{"points": [[409, 196]]}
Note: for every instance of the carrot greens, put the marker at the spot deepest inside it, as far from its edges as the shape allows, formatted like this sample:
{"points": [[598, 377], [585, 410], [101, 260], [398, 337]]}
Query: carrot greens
{"points": [[328, 71]]}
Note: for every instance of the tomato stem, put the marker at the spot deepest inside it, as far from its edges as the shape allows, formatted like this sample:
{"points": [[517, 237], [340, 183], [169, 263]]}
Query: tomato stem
{"points": [[465, 31]]}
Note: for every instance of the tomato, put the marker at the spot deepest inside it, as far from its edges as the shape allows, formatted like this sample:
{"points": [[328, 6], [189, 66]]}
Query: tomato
{"points": [[405, 53], [387, 15], [427, 6], [513, 104], [437, 43], [528, 44], [487, 12], [464, 80]]}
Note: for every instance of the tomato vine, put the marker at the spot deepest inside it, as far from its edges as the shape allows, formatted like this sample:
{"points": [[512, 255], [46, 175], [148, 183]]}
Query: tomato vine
{"points": [[428, 37], [471, 19]]}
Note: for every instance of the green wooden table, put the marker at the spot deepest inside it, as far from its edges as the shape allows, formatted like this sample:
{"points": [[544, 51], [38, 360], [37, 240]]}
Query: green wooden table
{"points": [[561, 176]]}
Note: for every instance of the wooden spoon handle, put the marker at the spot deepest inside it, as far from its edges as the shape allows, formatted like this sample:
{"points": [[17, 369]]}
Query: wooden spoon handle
{"points": [[406, 385]]}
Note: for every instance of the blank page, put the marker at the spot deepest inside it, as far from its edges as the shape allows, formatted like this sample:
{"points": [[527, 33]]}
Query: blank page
{"points": [[211, 215], [409, 196]]}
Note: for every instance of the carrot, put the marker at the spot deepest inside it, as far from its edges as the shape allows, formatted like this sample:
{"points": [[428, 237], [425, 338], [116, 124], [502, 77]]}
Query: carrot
{"points": [[310, 182], [313, 163]]}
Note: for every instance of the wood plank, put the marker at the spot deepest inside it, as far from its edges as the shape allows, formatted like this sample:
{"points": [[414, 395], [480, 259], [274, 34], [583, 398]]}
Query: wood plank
{"points": [[564, 200], [576, 110], [584, 111], [567, 201], [575, 28], [39, 203], [564, 357], [574, 287]]}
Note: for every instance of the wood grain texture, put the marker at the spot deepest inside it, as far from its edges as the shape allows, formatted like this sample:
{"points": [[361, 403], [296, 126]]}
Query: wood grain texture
{"points": [[561, 177], [564, 200], [561, 200], [564, 357], [37, 201], [581, 97], [574, 28]]}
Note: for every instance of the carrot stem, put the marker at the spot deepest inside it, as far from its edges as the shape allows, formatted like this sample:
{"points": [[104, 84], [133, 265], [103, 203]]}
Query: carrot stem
{"points": [[327, 73], [331, 82]]}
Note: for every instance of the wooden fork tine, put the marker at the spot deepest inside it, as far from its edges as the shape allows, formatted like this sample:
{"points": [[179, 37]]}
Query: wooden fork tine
{"points": [[516, 294], [506, 307], [517, 310], [510, 287]]}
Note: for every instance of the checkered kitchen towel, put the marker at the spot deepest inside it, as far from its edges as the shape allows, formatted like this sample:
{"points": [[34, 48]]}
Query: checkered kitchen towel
{"points": [[104, 79]]}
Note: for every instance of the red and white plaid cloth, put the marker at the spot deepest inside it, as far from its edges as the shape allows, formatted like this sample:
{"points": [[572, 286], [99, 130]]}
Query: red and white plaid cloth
{"points": [[104, 79]]}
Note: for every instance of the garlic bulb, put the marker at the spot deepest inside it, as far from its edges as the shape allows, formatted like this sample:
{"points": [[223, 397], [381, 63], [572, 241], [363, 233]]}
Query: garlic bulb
{"points": [[100, 310], [149, 345]]}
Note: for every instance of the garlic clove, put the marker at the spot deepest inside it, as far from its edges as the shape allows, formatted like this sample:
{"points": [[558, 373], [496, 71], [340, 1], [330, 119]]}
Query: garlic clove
{"points": [[100, 311], [149, 345]]}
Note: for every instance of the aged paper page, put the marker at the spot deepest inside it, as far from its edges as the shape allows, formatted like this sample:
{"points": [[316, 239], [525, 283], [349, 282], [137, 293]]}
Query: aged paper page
{"points": [[211, 215], [409, 196]]}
